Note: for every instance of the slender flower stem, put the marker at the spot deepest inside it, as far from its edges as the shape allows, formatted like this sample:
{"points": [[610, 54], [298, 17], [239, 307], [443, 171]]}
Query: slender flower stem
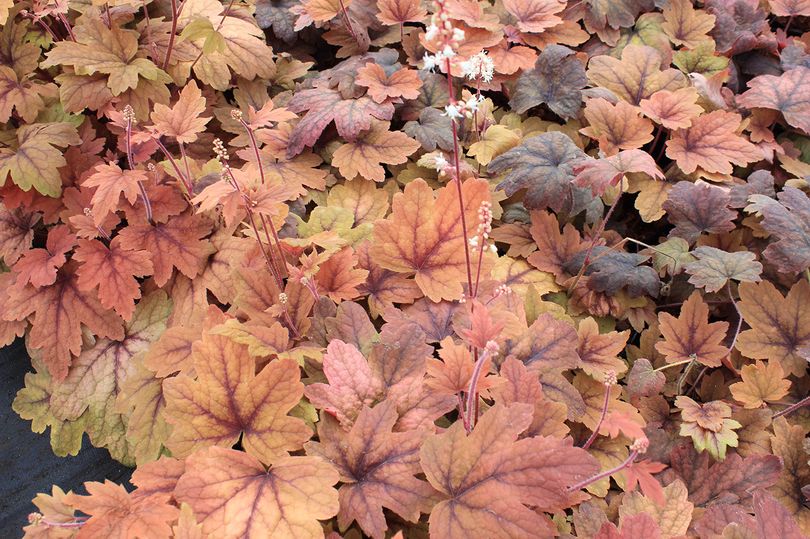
{"points": [[607, 473], [269, 224], [348, 23], [684, 374], [41, 23], [74, 524], [172, 35], [130, 161], [670, 365], [457, 165], [268, 259], [472, 390], [67, 26], [586, 262], [793, 407], [739, 318], [595, 432], [185, 181], [461, 414]]}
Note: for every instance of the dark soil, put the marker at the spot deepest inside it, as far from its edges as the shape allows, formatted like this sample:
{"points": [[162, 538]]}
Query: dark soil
{"points": [[27, 464]]}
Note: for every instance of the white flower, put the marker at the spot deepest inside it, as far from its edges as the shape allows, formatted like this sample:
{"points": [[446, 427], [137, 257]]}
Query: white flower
{"points": [[458, 35], [430, 62], [431, 32], [453, 111], [473, 242], [479, 65], [448, 52], [440, 163]]}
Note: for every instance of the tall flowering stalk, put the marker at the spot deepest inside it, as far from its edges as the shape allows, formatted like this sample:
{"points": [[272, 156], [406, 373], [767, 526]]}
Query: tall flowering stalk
{"points": [[443, 37], [446, 40]]}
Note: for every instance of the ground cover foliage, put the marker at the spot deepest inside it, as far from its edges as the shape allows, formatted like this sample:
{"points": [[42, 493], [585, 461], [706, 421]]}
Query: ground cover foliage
{"points": [[374, 268]]}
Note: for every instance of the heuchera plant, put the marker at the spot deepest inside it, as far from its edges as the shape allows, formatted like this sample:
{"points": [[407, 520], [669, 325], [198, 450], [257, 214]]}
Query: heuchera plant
{"points": [[461, 269]]}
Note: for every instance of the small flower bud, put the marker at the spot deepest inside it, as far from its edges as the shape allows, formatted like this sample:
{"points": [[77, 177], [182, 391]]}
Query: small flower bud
{"points": [[129, 114], [236, 114], [282, 298], [492, 347], [640, 445]]}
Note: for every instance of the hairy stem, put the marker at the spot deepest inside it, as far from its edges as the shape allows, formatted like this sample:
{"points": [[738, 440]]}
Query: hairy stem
{"points": [[186, 181], [793, 407], [472, 391], [594, 239], [739, 317], [602, 416], [607, 473], [670, 365], [457, 165], [269, 224], [348, 23], [172, 35], [144, 196]]}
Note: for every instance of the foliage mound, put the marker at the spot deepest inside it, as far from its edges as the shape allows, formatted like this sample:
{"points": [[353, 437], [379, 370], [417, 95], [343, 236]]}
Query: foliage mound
{"points": [[457, 269]]}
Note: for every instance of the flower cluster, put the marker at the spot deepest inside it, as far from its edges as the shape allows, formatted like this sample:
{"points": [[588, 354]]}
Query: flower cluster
{"points": [[478, 66], [443, 35], [484, 226], [461, 109]]}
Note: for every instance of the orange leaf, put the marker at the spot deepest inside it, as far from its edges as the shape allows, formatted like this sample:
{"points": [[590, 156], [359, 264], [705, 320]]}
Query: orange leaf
{"points": [[183, 120], [780, 326], [686, 26], [616, 127], [712, 143], [403, 83], [176, 244], [384, 287], [535, 15], [451, 374], [400, 11], [423, 236], [761, 383], [39, 266], [111, 182], [599, 352], [673, 110], [489, 477], [235, 497], [227, 400], [60, 310], [365, 155], [116, 513], [788, 442], [16, 233], [640, 473], [691, 336], [636, 76], [377, 468], [113, 270], [338, 277], [324, 10]]}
